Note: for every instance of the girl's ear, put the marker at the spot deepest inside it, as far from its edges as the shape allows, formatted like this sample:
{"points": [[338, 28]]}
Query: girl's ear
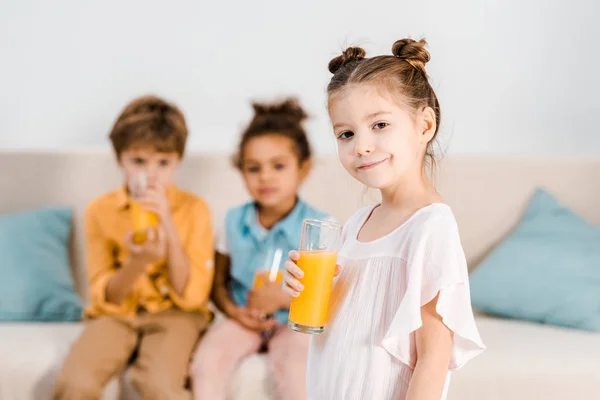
{"points": [[305, 167], [428, 125]]}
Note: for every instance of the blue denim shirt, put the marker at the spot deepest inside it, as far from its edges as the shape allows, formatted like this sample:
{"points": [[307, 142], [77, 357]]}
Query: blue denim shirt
{"points": [[249, 245]]}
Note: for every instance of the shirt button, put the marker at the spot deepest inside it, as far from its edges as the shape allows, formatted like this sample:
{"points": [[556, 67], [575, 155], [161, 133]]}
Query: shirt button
{"points": [[164, 290]]}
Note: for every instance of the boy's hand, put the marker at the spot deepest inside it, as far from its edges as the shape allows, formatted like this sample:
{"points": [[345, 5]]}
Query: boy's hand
{"points": [[154, 199], [246, 318], [152, 250], [268, 299]]}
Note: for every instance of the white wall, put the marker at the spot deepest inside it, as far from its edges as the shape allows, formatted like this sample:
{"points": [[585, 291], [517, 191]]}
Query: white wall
{"points": [[513, 76]]}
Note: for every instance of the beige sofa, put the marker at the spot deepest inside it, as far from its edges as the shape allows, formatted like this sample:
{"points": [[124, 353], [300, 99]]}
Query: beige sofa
{"points": [[523, 360]]}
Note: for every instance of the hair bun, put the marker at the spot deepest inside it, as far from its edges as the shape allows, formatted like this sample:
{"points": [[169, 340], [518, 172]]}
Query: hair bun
{"points": [[412, 52], [351, 54], [289, 108]]}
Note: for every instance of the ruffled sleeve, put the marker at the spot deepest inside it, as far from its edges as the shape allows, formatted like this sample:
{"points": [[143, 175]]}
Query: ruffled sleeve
{"points": [[435, 264]]}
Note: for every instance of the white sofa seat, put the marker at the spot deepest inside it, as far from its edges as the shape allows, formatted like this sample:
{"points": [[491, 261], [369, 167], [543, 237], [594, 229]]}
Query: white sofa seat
{"points": [[32, 355], [532, 361], [536, 361]]}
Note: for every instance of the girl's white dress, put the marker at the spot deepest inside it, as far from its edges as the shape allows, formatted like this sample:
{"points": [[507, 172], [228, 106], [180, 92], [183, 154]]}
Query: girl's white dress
{"points": [[368, 351]]}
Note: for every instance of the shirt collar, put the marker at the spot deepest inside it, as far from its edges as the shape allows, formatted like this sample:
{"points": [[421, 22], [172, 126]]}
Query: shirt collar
{"points": [[290, 225], [122, 198]]}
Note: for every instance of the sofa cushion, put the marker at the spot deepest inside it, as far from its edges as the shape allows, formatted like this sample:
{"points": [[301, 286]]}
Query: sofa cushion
{"points": [[526, 360], [523, 361], [547, 270], [32, 356], [36, 282]]}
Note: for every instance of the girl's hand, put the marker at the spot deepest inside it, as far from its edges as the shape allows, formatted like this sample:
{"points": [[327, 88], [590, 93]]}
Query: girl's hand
{"points": [[293, 274], [247, 319], [268, 299]]}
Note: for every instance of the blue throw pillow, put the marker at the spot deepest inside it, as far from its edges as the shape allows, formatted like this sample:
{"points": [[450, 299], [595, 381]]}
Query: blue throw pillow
{"points": [[547, 270], [35, 277]]}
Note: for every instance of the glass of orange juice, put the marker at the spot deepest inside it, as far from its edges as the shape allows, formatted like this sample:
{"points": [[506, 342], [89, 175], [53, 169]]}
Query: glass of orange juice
{"points": [[269, 270], [140, 218], [318, 255]]}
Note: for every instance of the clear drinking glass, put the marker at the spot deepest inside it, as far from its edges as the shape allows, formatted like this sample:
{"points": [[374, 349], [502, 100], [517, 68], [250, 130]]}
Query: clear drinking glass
{"points": [[269, 270], [141, 219], [318, 255]]}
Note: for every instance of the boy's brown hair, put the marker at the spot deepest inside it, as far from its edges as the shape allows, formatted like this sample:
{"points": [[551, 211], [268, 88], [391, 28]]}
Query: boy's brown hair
{"points": [[150, 121]]}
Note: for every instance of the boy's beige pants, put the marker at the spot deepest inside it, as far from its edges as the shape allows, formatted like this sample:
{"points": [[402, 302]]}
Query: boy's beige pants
{"points": [[164, 343]]}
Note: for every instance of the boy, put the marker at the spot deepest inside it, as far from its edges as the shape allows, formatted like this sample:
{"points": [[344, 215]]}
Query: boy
{"points": [[148, 298]]}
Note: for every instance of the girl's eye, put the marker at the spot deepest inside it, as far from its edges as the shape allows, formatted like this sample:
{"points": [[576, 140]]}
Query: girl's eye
{"points": [[380, 125], [345, 135], [164, 163], [139, 161], [253, 169], [279, 166]]}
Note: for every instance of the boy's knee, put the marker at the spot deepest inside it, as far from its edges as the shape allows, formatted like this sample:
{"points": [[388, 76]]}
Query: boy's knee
{"points": [[76, 385]]}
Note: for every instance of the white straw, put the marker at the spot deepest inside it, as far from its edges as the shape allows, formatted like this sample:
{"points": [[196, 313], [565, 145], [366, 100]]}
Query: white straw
{"points": [[275, 265]]}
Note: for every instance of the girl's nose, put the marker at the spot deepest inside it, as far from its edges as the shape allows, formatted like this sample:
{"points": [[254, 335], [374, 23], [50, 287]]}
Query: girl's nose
{"points": [[363, 145]]}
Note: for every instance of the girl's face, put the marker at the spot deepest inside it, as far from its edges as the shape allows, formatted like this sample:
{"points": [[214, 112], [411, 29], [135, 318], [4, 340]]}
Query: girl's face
{"points": [[379, 142], [271, 170]]}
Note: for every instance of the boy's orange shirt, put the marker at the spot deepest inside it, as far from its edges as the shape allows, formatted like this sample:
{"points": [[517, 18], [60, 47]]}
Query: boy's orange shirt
{"points": [[107, 222]]}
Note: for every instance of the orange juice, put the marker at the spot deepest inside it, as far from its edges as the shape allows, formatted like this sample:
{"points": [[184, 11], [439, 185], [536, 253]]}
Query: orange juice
{"points": [[309, 309], [262, 277], [142, 220]]}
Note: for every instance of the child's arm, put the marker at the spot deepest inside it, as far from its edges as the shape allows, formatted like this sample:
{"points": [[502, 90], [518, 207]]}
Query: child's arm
{"points": [[220, 294], [189, 259], [119, 286], [177, 260], [155, 200], [434, 349], [108, 284]]}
